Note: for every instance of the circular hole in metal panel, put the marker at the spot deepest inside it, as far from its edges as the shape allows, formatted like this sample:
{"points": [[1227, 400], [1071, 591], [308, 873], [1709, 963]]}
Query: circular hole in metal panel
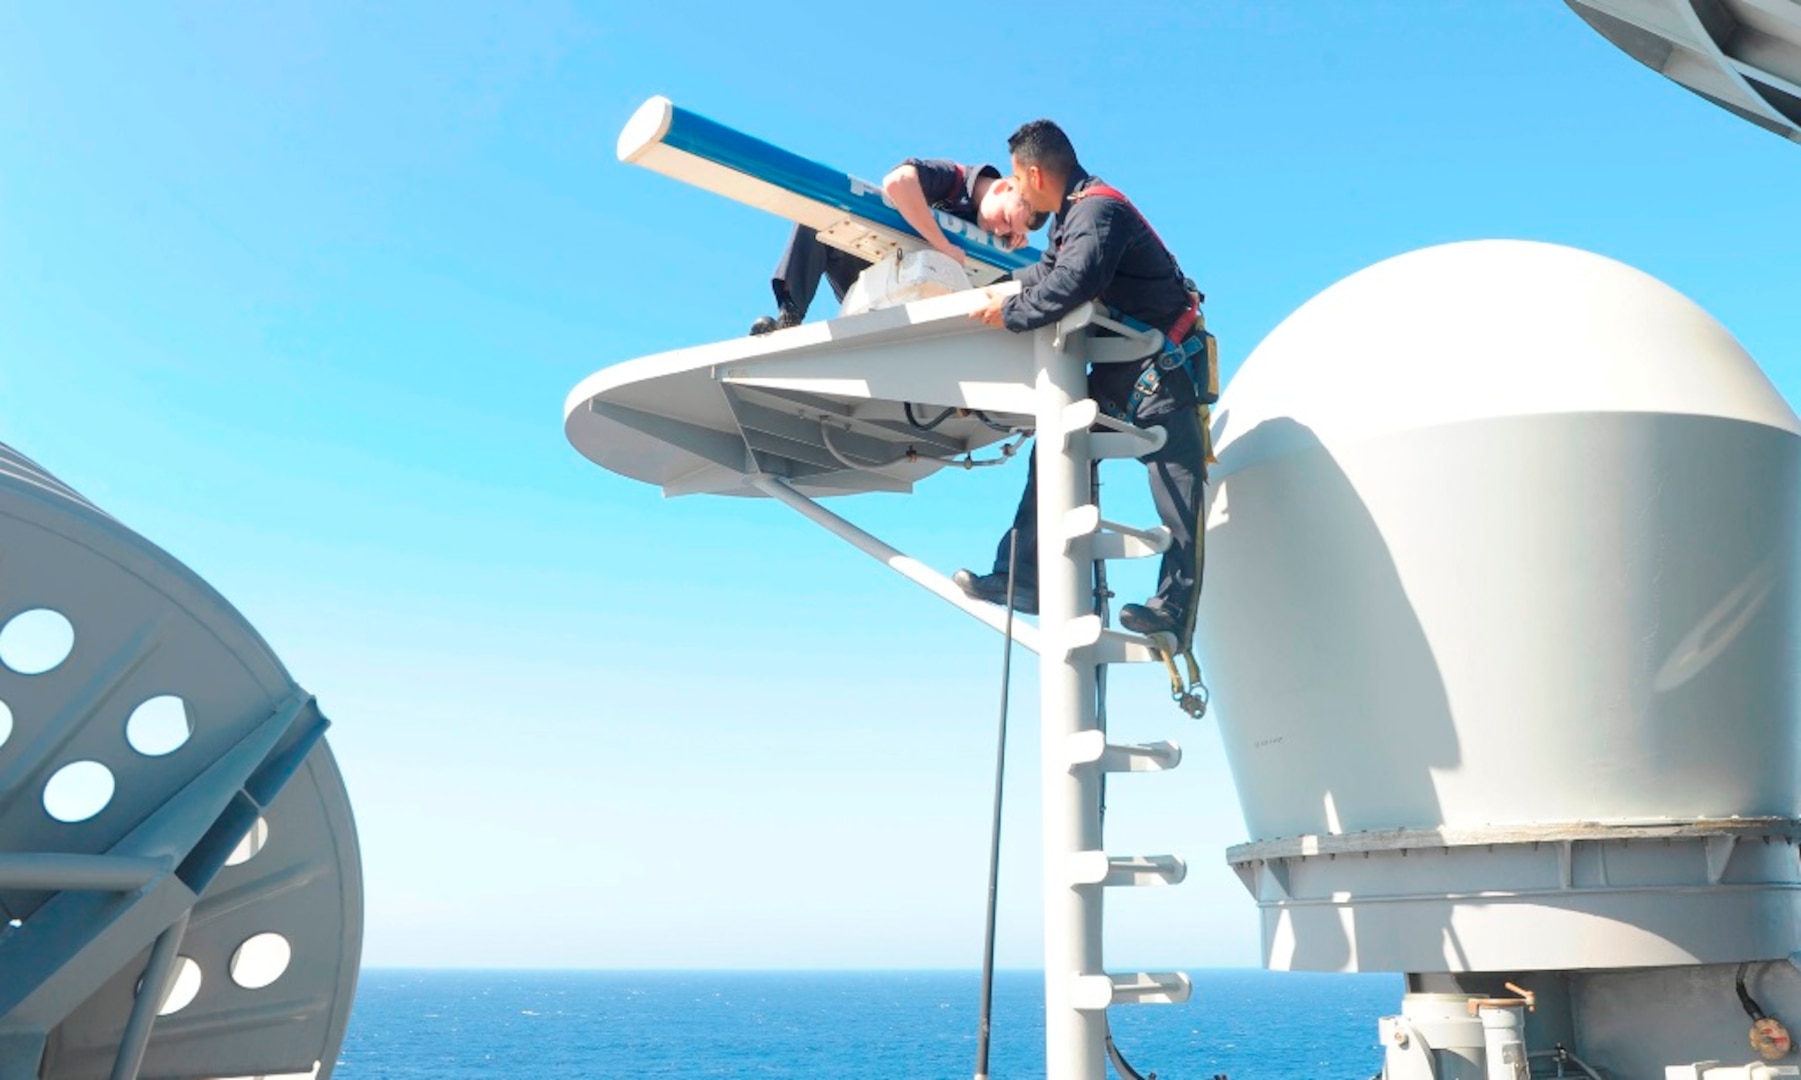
{"points": [[6, 722], [159, 726], [78, 791], [182, 990], [35, 641], [251, 844], [260, 961]]}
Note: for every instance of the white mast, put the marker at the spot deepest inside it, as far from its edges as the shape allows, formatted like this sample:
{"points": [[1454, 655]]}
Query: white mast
{"points": [[770, 416]]}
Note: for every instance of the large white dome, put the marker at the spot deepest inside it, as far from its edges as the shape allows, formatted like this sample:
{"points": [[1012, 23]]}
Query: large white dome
{"points": [[1493, 328], [1503, 532], [1501, 584]]}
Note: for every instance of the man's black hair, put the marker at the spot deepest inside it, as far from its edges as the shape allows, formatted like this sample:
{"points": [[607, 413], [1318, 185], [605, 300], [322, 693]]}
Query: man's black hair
{"points": [[1042, 143]]}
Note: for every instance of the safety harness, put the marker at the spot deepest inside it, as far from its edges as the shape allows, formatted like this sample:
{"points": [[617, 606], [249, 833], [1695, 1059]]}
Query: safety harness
{"points": [[1188, 345], [1186, 342]]}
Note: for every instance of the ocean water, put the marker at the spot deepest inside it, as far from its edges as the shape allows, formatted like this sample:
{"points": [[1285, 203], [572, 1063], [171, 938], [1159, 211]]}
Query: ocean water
{"points": [[547, 1025]]}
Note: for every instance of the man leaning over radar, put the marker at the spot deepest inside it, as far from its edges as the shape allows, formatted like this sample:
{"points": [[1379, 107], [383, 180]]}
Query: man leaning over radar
{"points": [[1102, 249], [978, 194]]}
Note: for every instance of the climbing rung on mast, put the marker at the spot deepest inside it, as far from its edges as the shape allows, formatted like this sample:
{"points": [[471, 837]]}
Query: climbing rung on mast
{"points": [[1114, 541], [1120, 440], [1113, 871], [1091, 747], [1092, 993], [1105, 646]]}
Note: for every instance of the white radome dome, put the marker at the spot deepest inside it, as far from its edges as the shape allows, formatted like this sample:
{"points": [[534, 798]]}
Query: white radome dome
{"points": [[1503, 532], [1491, 328]]}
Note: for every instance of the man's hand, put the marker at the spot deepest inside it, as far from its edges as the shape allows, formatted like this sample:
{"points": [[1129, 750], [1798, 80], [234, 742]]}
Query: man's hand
{"points": [[989, 314]]}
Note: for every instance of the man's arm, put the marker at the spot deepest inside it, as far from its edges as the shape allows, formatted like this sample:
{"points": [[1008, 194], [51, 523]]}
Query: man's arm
{"points": [[1095, 236], [903, 188], [1028, 276]]}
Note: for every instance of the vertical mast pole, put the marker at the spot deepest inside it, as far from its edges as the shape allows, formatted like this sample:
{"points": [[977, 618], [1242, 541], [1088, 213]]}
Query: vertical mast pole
{"points": [[1075, 1039]]}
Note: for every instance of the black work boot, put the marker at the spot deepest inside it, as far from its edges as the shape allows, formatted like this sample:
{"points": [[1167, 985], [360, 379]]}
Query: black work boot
{"points": [[992, 589], [1149, 620], [788, 316]]}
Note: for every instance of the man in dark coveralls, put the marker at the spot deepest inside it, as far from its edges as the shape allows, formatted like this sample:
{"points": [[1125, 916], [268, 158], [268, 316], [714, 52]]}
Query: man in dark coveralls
{"points": [[978, 194], [1102, 249]]}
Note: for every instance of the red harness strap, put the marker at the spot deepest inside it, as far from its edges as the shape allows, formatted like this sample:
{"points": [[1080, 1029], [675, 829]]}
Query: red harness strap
{"points": [[1186, 322]]}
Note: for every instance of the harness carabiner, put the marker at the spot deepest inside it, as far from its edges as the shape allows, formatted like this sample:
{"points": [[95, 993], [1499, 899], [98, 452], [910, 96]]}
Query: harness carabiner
{"points": [[1190, 693]]}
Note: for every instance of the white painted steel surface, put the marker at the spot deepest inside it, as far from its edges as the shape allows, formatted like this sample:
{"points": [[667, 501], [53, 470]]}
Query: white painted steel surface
{"points": [[1742, 55], [1025, 633], [672, 419], [1640, 1023], [1075, 1037], [1504, 534]]}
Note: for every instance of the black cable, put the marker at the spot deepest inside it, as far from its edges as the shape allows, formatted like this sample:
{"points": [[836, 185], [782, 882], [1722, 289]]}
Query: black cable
{"points": [[1744, 996], [994, 842], [991, 422], [1120, 1064], [907, 407], [1102, 595]]}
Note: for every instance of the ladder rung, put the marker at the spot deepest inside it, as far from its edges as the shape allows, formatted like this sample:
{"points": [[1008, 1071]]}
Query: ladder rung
{"points": [[1084, 520], [1081, 632], [1115, 545], [1106, 646], [1115, 541], [1092, 993], [1132, 443], [1092, 747], [1120, 440], [1115, 871], [1157, 537], [1119, 647], [1079, 416]]}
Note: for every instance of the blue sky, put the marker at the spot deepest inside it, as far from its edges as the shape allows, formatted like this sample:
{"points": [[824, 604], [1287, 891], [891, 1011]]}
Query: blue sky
{"points": [[297, 292]]}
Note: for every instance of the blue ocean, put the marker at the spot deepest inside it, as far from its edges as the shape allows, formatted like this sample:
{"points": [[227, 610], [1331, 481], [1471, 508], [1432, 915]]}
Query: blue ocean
{"points": [[1246, 1025]]}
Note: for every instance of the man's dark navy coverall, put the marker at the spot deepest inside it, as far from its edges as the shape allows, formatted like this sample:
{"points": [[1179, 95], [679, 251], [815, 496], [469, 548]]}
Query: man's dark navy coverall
{"points": [[1101, 249], [947, 186]]}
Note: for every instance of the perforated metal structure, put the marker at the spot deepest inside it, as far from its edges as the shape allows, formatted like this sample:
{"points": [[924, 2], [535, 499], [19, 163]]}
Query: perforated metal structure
{"points": [[1742, 55], [174, 832]]}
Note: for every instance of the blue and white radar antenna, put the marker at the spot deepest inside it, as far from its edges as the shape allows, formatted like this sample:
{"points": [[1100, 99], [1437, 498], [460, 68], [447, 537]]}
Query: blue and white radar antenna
{"points": [[179, 875], [849, 213]]}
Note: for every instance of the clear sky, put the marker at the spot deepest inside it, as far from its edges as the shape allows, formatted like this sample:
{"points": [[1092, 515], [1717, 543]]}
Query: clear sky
{"points": [[297, 290]]}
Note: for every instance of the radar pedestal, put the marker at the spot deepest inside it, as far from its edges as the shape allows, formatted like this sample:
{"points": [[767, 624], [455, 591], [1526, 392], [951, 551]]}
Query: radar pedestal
{"points": [[877, 402]]}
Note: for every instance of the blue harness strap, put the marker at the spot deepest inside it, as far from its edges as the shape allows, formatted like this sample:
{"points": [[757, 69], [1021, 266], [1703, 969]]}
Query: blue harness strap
{"points": [[1173, 355]]}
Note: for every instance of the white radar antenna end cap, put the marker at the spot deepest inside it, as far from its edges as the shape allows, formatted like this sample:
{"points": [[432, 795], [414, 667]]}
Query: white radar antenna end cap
{"points": [[646, 128]]}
